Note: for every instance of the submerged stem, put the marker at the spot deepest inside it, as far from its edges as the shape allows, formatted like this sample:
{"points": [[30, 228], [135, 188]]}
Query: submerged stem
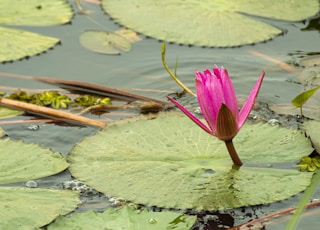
{"points": [[233, 153]]}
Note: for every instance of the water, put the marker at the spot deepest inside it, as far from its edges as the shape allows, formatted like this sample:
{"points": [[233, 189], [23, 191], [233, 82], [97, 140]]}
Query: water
{"points": [[142, 68]]}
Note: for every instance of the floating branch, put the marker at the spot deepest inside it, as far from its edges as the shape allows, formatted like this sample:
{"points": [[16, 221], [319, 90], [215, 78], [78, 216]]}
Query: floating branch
{"points": [[282, 64], [48, 112], [261, 220], [98, 89]]}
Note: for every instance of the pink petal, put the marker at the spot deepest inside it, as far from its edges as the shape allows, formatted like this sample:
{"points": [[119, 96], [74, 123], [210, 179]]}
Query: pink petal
{"points": [[247, 107], [206, 99], [191, 116], [229, 92]]}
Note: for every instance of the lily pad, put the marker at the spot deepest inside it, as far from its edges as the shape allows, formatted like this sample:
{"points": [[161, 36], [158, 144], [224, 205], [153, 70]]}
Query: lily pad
{"points": [[170, 162], [310, 61], [21, 162], [104, 42], [6, 112], [18, 44], [25, 208], [126, 218], [214, 23], [310, 111], [35, 12], [312, 127]]}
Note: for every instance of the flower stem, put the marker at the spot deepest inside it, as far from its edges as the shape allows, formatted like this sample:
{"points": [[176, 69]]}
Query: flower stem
{"points": [[233, 153]]}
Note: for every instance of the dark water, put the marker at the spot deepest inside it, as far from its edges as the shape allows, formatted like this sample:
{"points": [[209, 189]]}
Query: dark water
{"points": [[142, 68]]}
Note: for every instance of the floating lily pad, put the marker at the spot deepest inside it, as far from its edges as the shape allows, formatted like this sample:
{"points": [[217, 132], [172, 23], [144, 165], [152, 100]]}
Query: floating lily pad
{"points": [[170, 162], [25, 208], [104, 42], [215, 23], [21, 162], [6, 112], [18, 44], [35, 12], [310, 61], [312, 128], [312, 111], [126, 218]]}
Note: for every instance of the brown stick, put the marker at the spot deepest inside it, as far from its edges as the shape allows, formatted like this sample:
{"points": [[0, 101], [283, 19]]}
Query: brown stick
{"points": [[271, 216], [98, 89], [48, 112]]}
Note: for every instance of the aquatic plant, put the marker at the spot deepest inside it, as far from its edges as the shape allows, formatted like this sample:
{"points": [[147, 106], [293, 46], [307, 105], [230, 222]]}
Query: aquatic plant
{"points": [[56, 100], [219, 106], [302, 98]]}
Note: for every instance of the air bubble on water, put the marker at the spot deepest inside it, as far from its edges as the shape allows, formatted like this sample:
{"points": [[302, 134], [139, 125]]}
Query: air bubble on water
{"points": [[31, 184], [33, 127], [273, 122]]}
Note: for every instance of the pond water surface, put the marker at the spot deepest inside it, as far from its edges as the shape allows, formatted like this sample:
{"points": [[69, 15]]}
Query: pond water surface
{"points": [[142, 68]]}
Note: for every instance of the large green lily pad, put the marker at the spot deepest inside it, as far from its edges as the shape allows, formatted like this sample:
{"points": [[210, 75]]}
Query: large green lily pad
{"points": [[126, 218], [35, 12], [18, 44], [170, 162], [217, 23], [25, 208], [21, 162]]}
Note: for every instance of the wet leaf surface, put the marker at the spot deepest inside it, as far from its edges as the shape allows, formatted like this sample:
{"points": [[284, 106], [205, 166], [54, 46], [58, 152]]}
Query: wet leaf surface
{"points": [[125, 218]]}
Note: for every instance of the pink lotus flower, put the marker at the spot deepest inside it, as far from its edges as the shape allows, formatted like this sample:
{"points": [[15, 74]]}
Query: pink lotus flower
{"points": [[219, 106]]}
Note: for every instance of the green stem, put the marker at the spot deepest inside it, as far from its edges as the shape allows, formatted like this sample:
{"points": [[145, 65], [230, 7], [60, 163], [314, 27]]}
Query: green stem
{"points": [[174, 77], [293, 222], [233, 153]]}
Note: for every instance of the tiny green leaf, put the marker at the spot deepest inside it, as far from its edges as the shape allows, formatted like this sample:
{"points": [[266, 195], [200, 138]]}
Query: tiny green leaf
{"points": [[302, 98]]}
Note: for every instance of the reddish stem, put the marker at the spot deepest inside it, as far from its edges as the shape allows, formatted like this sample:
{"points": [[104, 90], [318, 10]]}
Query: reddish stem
{"points": [[233, 153]]}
